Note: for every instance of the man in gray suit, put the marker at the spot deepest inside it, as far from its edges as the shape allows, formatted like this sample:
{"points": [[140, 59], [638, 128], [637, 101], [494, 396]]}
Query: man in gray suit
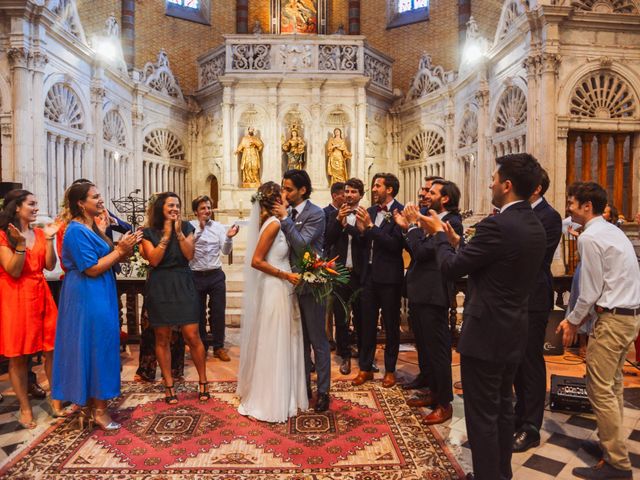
{"points": [[303, 226]]}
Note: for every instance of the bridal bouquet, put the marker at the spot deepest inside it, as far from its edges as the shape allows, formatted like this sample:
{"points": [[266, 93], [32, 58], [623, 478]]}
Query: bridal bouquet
{"points": [[320, 276]]}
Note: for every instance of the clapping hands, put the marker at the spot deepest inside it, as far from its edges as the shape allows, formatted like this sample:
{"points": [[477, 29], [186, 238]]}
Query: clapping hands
{"points": [[127, 242]]}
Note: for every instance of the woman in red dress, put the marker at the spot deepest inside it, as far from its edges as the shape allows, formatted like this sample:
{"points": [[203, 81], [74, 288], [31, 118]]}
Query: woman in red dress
{"points": [[27, 310]]}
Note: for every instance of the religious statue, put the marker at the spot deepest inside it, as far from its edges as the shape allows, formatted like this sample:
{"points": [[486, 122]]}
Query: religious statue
{"points": [[250, 147], [299, 16], [294, 148], [337, 157]]}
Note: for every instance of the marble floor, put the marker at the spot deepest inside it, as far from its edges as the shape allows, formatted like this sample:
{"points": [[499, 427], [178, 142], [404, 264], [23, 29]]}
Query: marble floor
{"points": [[557, 454]]}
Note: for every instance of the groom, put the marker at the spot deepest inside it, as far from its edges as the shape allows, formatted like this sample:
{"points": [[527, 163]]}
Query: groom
{"points": [[303, 226]]}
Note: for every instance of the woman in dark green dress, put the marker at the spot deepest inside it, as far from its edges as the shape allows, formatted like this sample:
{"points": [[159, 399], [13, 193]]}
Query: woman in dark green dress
{"points": [[170, 295]]}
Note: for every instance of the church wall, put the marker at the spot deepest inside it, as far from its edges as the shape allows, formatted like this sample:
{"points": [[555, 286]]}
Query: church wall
{"points": [[486, 13]]}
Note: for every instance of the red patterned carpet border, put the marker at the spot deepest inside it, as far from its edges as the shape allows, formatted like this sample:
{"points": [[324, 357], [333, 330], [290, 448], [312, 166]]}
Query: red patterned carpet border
{"points": [[369, 433]]}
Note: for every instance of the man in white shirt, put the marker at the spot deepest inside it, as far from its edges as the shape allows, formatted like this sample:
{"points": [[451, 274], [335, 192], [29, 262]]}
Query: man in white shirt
{"points": [[610, 285], [211, 241]]}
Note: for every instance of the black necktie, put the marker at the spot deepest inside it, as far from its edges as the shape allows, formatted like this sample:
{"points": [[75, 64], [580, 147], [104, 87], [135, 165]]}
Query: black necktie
{"points": [[294, 214]]}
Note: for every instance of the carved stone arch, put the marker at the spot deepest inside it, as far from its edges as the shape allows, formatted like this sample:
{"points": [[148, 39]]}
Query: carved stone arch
{"points": [[67, 12], [114, 129], [510, 110], [604, 94], [332, 115], [163, 143], [512, 10], [607, 6], [291, 110], [252, 115], [424, 145], [79, 90], [62, 106], [428, 79], [159, 77], [468, 130]]}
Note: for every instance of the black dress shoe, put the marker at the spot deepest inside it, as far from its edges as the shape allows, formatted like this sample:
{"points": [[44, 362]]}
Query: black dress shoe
{"points": [[593, 448], [418, 382], [602, 470], [345, 366], [322, 405], [36, 390], [1, 397], [523, 440], [470, 476]]}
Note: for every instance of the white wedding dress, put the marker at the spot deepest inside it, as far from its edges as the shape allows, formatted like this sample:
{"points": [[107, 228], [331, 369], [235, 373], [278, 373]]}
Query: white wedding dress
{"points": [[271, 377]]}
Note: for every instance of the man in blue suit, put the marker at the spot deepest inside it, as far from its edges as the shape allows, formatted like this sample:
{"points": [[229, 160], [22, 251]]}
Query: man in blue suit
{"points": [[303, 226]]}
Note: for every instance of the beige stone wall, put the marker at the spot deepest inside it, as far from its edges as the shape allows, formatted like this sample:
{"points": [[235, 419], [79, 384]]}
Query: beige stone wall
{"points": [[93, 14]]}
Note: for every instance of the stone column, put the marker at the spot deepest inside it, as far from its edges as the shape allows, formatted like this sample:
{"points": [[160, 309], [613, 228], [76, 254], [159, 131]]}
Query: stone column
{"points": [[358, 145], [484, 161], [550, 64], [53, 176], [21, 169], [354, 17], [452, 170], [128, 32], [97, 173], [531, 64], [229, 159], [40, 173], [136, 159], [242, 16], [60, 167]]}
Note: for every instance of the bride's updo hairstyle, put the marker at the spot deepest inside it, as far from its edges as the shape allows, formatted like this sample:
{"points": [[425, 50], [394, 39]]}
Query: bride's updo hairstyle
{"points": [[267, 196]]}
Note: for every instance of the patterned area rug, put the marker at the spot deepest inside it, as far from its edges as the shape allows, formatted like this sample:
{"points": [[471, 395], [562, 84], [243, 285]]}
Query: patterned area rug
{"points": [[370, 433]]}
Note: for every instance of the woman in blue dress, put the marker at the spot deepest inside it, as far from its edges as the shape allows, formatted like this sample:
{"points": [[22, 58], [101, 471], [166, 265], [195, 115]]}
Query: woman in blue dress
{"points": [[86, 366]]}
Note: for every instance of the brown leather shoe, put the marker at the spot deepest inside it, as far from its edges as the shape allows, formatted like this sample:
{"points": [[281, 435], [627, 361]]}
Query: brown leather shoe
{"points": [[440, 414], [389, 380], [361, 378], [422, 401], [222, 354]]}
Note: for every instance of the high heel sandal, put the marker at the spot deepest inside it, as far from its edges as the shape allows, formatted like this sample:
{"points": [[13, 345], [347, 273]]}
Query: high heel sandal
{"points": [[85, 418], [55, 412], [171, 399], [104, 424], [27, 425], [203, 392]]}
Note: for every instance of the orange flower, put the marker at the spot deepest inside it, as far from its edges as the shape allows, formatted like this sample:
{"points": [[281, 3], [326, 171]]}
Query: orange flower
{"points": [[332, 271]]}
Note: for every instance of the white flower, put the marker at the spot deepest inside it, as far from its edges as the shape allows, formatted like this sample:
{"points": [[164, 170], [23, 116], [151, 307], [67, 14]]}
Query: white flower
{"points": [[322, 279], [309, 277]]}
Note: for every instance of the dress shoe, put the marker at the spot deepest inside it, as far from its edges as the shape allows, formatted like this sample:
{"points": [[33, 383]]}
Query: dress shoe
{"points": [[601, 470], [420, 401], [525, 439], [361, 378], [418, 382], [389, 380], [1, 397], [36, 391], [470, 476], [355, 353], [322, 405], [439, 415], [593, 448], [222, 354], [345, 366], [374, 368]]}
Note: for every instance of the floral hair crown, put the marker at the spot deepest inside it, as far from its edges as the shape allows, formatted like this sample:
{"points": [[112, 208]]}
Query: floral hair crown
{"points": [[257, 197]]}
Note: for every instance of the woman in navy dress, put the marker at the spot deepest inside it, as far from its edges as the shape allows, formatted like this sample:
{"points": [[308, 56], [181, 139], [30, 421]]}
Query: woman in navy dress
{"points": [[86, 366], [170, 293]]}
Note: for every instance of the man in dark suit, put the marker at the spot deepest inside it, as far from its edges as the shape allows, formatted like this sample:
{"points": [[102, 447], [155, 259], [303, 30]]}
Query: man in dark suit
{"points": [[303, 226], [531, 378], [337, 200], [342, 239], [502, 261], [429, 299], [382, 277]]}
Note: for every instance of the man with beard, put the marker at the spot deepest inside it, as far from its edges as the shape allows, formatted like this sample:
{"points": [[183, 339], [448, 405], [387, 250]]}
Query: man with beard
{"points": [[502, 262], [429, 299]]}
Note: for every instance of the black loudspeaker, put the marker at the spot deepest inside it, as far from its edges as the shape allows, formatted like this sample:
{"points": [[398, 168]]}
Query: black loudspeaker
{"points": [[569, 394], [6, 187], [553, 340]]}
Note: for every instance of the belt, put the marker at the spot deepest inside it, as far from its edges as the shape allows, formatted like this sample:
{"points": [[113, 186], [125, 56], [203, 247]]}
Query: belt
{"points": [[206, 273], [618, 311]]}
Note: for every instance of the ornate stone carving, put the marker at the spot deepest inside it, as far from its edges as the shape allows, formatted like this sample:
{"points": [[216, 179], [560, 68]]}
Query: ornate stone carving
{"points": [[159, 76], [251, 57], [531, 65], [212, 69], [165, 144], [468, 129], [338, 57], [113, 129], [296, 57], [550, 62], [510, 13], [19, 57], [607, 6], [603, 94], [428, 79], [424, 145], [39, 60], [512, 109], [69, 18], [482, 98], [378, 71], [62, 106]]}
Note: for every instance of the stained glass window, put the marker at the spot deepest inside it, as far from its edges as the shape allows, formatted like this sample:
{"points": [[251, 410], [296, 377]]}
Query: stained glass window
{"points": [[195, 4], [408, 5]]}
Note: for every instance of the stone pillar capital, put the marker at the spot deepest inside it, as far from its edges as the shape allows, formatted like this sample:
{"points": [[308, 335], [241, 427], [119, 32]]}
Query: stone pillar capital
{"points": [[19, 57]]}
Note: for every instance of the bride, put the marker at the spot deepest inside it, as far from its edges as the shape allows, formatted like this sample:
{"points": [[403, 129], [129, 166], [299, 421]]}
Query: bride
{"points": [[271, 377]]}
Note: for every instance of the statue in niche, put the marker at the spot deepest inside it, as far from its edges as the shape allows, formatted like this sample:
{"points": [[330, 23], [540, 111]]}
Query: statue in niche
{"points": [[337, 157], [250, 147], [294, 149]]}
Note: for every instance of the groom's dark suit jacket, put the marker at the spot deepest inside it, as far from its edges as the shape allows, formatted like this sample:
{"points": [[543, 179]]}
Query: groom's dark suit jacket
{"points": [[307, 230], [502, 260]]}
